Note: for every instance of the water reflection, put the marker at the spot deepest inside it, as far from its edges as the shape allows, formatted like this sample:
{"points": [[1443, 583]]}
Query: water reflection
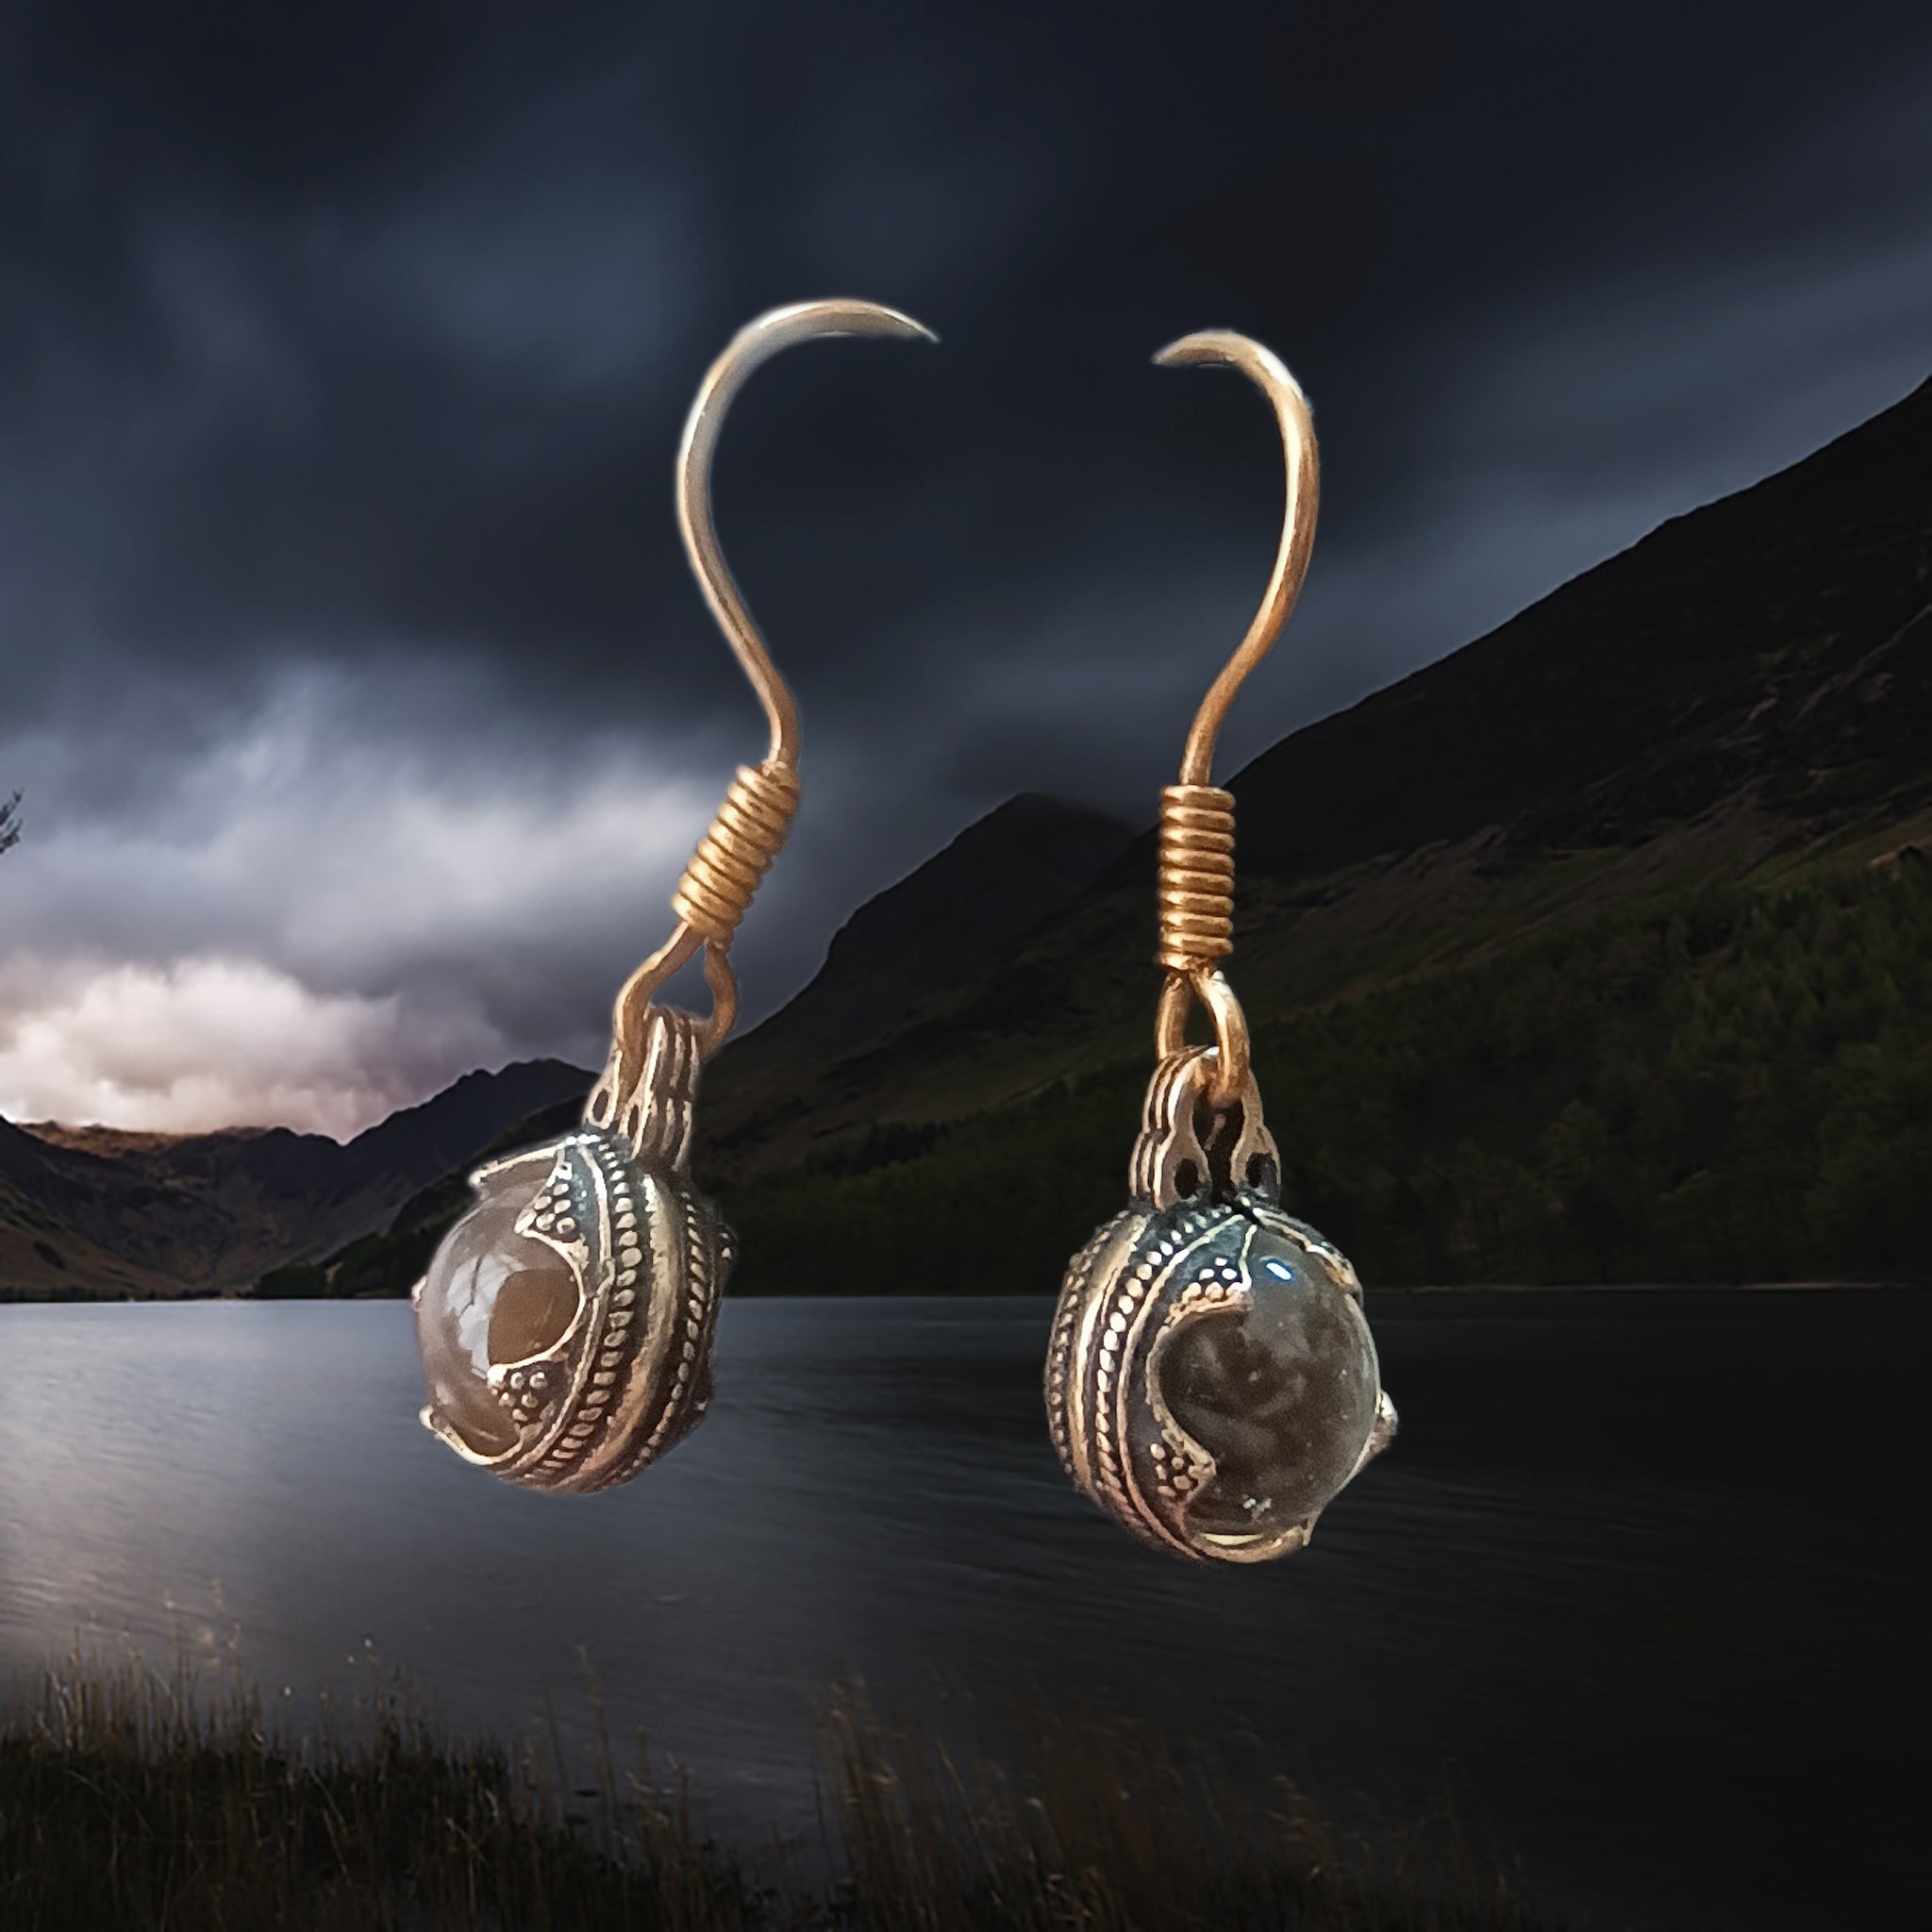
{"points": [[1615, 1570]]}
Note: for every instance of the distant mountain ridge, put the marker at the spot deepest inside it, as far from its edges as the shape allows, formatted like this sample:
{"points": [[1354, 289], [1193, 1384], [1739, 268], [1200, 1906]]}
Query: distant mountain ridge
{"points": [[1748, 684], [1744, 694], [1769, 650], [151, 1213], [154, 1213], [925, 938]]}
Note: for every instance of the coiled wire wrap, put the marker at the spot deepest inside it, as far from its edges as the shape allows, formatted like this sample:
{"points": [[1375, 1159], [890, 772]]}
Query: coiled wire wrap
{"points": [[1196, 880], [1195, 896], [734, 855], [709, 899], [1195, 891]]}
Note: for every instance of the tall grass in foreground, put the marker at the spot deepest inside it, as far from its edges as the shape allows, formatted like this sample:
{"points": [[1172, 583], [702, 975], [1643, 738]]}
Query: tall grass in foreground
{"points": [[131, 1798]]}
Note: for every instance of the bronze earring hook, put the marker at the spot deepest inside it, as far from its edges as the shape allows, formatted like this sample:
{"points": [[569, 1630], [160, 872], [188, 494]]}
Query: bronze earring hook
{"points": [[1196, 878], [754, 346], [1210, 1380], [566, 1320], [752, 824]]}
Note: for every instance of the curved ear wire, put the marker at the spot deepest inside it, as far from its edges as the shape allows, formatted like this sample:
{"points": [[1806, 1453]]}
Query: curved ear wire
{"points": [[1202, 1256], [754, 344], [751, 826], [1222, 348], [1196, 881]]}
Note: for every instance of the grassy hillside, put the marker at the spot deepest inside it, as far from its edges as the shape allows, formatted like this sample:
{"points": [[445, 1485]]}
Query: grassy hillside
{"points": [[42, 1259], [1728, 1084], [90, 1211], [1725, 1084], [1578, 954], [131, 1798]]}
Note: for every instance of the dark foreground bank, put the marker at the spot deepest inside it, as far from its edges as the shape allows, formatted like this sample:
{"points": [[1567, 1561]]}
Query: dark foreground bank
{"points": [[1638, 1581], [139, 1801]]}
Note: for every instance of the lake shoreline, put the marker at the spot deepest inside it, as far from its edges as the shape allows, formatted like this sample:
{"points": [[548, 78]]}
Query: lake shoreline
{"points": [[130, 1794], [1616, 1592]]}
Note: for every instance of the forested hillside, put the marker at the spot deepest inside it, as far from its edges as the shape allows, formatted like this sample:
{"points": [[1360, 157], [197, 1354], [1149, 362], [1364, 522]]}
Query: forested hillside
{"points": [[1726, 1086], [1595, 951]]}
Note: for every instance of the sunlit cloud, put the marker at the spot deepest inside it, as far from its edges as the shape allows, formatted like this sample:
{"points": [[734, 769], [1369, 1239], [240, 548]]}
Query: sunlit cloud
{"points": [[212, 1042], [348, 655], [321, 916]]}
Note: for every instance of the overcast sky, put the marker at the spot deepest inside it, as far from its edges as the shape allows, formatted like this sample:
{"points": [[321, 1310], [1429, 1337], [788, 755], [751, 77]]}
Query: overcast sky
{"points": [[364, 706]]}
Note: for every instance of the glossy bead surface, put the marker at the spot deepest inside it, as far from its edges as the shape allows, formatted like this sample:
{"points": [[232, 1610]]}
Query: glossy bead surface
{"points": [[491, 1296], [1282, 1394], [565, 1323]]}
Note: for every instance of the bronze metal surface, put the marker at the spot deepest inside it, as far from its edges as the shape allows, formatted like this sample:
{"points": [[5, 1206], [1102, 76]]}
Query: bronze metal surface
{"points": [[1204, 1181], [1195, 891], [1205, 1177], [629, 1373], [734, 855]]}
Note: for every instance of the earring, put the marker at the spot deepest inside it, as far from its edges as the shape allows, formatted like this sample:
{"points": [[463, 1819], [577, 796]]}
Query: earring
{"points": [[565, 1323], [1211, 1382]]}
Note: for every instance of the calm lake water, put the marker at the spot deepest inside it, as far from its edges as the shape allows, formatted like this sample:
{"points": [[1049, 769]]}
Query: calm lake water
{"points": [[1642, 1573]]}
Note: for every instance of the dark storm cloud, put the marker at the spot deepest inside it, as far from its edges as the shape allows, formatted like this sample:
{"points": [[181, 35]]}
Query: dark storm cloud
{"points": [[343, 355]]}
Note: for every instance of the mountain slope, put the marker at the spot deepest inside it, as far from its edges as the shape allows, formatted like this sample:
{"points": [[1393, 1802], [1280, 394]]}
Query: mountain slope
{"points": [[1727, 1083], [1767, 650], [1743, 700], [157, 1213], [154, 1213], [922, 938], [41, 1254], [1598, 945], [1745, 690]]}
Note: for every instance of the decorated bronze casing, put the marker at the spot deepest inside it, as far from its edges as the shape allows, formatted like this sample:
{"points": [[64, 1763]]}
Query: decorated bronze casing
{"points": [[566, 1320], [565, 1323], [1211, 1382]]}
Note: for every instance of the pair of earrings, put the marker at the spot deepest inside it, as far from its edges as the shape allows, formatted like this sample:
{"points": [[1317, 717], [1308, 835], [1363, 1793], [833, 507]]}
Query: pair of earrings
{"points": [[1210, 1380]]}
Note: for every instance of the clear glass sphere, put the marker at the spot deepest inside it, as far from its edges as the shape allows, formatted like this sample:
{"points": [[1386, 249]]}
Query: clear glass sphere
{"points": [[1282, 1396], [491, 1296]]}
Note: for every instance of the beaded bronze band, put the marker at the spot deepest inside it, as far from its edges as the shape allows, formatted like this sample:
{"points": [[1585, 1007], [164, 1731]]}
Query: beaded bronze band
{"points": [[1210, 1381], [565, 1322]]}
